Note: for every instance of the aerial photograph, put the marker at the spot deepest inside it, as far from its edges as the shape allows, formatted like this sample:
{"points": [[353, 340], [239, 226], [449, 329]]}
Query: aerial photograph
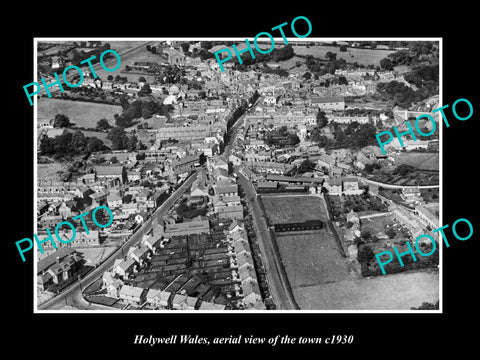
{"points": [[253, 183]]}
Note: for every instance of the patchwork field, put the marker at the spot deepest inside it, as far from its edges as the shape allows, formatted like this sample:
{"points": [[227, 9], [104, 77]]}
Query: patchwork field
{"points": [[311, 258], [295, 208], [83, 114], [362, 56], [392, 292]]}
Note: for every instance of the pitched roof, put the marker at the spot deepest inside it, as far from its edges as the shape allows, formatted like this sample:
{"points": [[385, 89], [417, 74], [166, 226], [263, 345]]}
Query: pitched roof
{"points": [[131, 291], [126, 264], [327, 99], [51, 259], [205, 305], [109, 170]]}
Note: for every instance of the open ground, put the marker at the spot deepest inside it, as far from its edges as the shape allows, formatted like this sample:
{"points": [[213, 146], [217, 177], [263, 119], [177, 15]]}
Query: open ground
{"points": [[420, 160], [294, 208], [311, 258], [81, 113], [361, 56], [399, 291]]}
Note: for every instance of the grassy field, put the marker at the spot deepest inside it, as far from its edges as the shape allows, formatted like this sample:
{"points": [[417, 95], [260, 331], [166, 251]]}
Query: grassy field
{"points": [[362, 56], [47, 171], [139, 55], [392, 292], [83, 114], [424, 161], [284, 209], [311, 258]]}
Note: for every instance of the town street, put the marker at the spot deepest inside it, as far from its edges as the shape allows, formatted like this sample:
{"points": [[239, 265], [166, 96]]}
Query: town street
{"points": [[276, 275], [73, 292]]}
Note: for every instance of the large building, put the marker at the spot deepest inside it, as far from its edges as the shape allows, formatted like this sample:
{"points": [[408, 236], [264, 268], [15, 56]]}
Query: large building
{"points": [[329, 103], [187, 228]]}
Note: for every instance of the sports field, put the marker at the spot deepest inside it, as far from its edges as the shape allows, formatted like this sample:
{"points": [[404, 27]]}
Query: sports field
{"points": [[294, 208], [311, 258]]}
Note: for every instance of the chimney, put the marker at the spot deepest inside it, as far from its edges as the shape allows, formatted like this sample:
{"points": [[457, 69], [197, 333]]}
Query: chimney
{"points": [[58, 260]]}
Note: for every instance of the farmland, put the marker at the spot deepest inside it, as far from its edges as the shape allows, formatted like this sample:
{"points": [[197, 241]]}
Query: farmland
{"points": [[296, 208], [420, 160], [392, 292], [82, 114], [311, 258], [361, 56]]}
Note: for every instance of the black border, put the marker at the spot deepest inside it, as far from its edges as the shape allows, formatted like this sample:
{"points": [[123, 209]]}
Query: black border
{"points": [[114, 333]]}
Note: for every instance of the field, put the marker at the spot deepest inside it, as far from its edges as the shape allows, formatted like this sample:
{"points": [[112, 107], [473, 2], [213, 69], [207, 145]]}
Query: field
{"points": [[96, 255], [392, 292], [378, 226], [83, 114], [135, 55], [361, 56], [424, 161], [295, 208], [311, 258], [47, 171]]}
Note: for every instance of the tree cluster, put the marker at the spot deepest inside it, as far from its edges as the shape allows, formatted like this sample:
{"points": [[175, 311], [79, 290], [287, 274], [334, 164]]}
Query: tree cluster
{"points": [[424, 77], [417, 52], [121, 141], [282, 137], [61, 121], [138, 109], [276, 55], [400, 94], [355, 136], [328, 65], [79, 56], [70, 144]]}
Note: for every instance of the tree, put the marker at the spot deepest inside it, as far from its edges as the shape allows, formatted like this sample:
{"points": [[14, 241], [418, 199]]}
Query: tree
{"points": [[118, 137], [79, 142], [366, 234], [293, 139], [306, 166], [145, 90], [103, 124], [185, 47], [390, 233], [94, 144], [342, 80], [321, 119], [307, 76], [148, 47], [343, 48], [113, 160], [47, 145], [365, 254], [206, 45], [330, 56], [386, 64], [142, 79], [109, 77], [61, 121], [141, 146], [153, 49], [132, 143]]}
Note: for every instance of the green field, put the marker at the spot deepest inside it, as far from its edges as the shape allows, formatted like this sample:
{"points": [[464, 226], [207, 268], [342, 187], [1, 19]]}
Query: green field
{"points": [[361, 56], [294, 208], [423, 161], [83, 114], [311, 258], [392, 292]]}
